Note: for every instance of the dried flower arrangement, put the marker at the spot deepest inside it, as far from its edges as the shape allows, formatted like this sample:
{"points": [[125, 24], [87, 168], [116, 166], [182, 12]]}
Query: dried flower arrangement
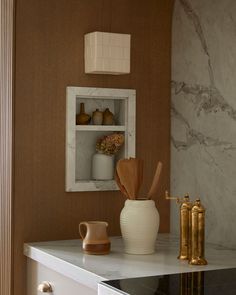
{"points": [[110, 144]]}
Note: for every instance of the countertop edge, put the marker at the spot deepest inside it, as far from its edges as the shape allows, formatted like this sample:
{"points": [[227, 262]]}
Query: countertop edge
{"points": [[105, 289], [163, 265], [65, 268]]}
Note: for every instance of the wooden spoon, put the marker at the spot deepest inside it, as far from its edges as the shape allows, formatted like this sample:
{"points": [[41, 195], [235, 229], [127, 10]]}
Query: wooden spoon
{"points": [[155, 182], [125, 172], [124, 175], [121, 187], [133, 164], [130, 173], [138, 175]]}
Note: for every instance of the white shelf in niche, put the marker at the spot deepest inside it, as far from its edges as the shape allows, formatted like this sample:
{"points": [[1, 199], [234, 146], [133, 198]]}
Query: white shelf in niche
{"points": [[100, 128], [81, 139]]}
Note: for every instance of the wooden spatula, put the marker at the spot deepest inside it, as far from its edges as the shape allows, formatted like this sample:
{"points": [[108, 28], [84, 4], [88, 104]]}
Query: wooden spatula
{"points": [[122, 169], [138, 177], [130, 173], [125, 173], [133, 165], [121, 187], [155, 182]]}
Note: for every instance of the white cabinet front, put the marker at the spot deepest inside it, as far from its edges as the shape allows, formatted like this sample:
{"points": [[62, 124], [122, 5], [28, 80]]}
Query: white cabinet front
{"points": [[61, 285]]}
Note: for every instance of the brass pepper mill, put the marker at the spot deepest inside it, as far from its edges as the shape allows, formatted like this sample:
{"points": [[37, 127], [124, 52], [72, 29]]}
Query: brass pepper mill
{"points": [[198, 234], [185, 228], [185, 225]]}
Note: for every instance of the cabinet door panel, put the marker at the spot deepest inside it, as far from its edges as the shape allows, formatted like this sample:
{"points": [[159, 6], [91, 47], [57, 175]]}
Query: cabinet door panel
{"points": [[36, 273]]}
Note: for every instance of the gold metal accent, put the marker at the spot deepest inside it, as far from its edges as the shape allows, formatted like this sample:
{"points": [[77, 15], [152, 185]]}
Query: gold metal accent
{"points": [[185, 224], [198, 234], [185, 228], [192, 230], [192, 283], [168, 197], [45, 287]]}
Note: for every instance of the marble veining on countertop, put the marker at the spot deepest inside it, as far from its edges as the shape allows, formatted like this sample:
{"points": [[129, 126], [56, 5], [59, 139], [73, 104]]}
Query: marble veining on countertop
{"points": [[67, 258]]}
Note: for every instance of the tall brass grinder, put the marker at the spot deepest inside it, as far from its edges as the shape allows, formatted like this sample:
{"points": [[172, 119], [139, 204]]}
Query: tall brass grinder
{"points": [[192, 230]]}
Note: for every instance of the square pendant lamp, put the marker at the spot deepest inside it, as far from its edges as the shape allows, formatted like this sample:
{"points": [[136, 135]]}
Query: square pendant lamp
{"points": [[107, 53]]}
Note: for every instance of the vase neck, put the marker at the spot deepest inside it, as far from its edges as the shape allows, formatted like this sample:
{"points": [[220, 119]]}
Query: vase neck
{"points": [[81, 107], [101, 153], [140, 203]]}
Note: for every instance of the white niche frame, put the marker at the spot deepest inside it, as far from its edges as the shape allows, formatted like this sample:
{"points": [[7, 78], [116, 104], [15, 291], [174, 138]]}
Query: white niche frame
{"points": [[92, 97]]}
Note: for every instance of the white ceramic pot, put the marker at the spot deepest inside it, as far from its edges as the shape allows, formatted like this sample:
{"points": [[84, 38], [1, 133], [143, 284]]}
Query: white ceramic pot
{"points": [[139, 222], [102, 167]]}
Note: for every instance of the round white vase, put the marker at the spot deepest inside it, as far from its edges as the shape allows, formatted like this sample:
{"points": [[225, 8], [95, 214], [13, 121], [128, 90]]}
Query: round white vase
{"points": [[103, 167], [139, 222]]}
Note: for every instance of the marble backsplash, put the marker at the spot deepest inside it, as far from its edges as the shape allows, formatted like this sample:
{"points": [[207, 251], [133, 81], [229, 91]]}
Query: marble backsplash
{"points": [[203, 135]]}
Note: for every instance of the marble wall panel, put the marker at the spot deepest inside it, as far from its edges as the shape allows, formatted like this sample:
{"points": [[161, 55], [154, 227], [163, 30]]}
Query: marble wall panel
{"points": [[203, 112]]}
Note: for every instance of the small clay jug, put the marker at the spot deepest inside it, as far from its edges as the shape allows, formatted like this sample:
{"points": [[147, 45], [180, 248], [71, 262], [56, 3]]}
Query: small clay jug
{"points": [[108, 117], [94, 236], [82, 118], [97, 117]]}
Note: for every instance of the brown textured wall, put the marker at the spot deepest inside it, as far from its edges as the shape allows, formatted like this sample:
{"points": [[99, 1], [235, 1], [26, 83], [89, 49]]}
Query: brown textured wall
{"points": [[49, 57]]}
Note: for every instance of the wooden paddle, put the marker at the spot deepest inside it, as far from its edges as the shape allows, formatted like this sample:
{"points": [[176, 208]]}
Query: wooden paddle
{"points": [[130, 174], [155, 182], [121, 187]]}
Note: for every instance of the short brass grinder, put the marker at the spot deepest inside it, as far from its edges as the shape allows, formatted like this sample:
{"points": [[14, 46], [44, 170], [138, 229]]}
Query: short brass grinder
{"points": [[198, 234]]}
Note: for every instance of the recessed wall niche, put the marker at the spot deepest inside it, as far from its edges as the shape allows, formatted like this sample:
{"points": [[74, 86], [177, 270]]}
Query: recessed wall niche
{"points": [[81, 139]]}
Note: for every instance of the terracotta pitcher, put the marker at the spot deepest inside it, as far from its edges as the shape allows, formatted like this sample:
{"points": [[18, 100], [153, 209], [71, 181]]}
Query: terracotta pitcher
{"points": [[94, 236]]}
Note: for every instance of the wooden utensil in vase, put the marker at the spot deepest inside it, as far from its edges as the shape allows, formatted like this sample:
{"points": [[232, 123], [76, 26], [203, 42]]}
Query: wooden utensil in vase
{"points": [[155, 182], [124, 172], [121, 187], [138, 176], [127, 170]]}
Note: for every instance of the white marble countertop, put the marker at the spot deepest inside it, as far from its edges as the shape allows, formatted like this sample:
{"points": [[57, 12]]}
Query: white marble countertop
{"points": [[67, 258]]}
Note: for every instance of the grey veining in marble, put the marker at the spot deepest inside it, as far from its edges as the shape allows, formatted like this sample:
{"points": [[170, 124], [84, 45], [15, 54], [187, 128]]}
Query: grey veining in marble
{"points": [[203, 135]]}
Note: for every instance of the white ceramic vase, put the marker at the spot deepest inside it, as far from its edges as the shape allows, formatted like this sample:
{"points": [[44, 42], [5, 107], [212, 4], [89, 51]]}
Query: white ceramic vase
{"points": [[139, 222], [103, 167]]}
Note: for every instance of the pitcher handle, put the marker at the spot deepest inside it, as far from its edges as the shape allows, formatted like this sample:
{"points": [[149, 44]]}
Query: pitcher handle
{"points": [[82, 232]]}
